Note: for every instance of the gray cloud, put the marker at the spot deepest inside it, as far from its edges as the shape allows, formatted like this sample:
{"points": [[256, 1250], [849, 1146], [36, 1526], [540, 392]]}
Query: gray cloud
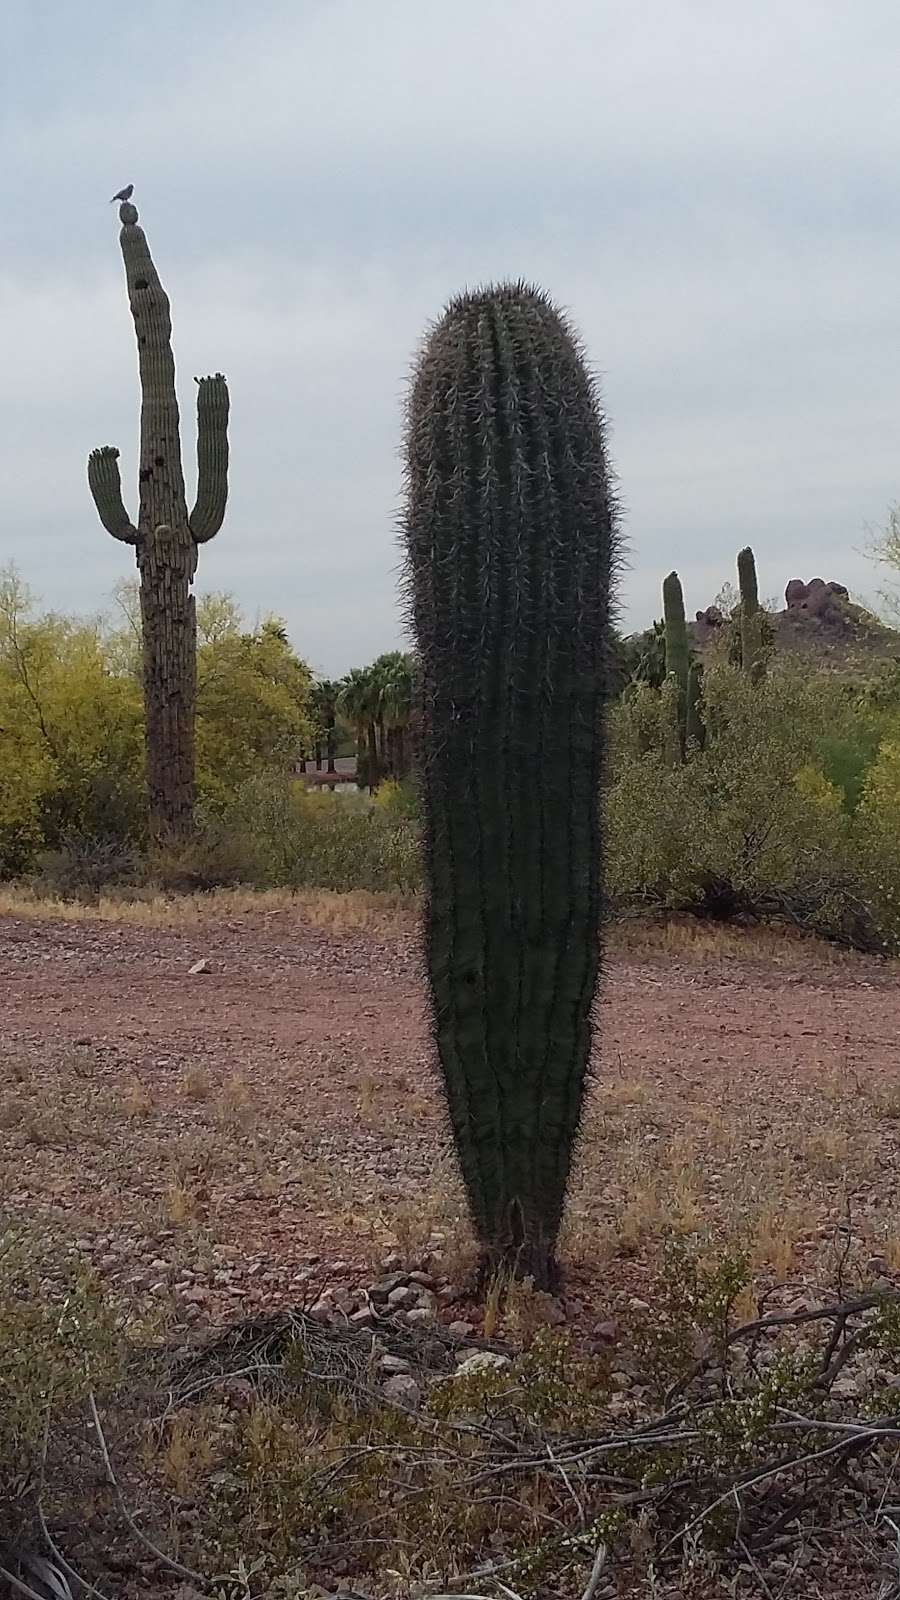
{"points": [[709, 191]]}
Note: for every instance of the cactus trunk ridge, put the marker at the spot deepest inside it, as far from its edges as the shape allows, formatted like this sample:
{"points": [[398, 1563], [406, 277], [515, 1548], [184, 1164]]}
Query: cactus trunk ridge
{"points": [[511, 546]]}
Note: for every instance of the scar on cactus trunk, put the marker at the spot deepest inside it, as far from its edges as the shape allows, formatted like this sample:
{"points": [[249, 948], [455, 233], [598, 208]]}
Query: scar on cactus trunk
{"points": [[511, 550], [166, 536]]}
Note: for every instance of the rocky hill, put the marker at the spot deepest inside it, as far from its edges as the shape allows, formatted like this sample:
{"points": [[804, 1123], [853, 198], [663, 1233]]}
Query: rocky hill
{"points": [[819, 624]]}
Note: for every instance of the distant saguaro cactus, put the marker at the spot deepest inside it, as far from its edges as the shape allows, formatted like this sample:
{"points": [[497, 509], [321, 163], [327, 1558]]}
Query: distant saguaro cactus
{"points": [[166, 537], [751, 618], [511, 549], [679, 666]]}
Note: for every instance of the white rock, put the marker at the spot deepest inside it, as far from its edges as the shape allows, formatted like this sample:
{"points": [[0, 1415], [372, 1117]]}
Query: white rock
{"points": [[472, 1362], [199, 967]]}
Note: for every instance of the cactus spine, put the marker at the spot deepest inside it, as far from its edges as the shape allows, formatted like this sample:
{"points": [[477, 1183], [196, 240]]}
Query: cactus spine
{"points": [[752, 653], [511, 546], [166, 536]]}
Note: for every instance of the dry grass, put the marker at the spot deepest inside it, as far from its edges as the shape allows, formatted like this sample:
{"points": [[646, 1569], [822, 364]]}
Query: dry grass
{"points": [[356, 912], [360, 911]]}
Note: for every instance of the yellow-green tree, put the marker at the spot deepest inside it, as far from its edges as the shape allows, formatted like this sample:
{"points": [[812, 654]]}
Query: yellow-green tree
{"points": [[70, 730], [253, 699]]}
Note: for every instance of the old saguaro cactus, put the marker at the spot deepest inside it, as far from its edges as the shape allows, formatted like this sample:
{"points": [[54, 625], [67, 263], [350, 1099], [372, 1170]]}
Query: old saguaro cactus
{"points": [[511, 546], [166, 537]]}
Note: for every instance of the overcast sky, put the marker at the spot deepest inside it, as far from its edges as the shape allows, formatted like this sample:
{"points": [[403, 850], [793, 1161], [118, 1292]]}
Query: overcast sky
{"points": [[711, 189]]}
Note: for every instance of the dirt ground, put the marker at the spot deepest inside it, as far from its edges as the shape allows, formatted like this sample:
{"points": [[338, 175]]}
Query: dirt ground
{"points": [[243, 1135]]}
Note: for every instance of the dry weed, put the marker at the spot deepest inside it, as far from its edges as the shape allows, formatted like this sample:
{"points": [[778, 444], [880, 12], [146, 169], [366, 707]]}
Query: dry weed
{"points": [[137, 1101]]}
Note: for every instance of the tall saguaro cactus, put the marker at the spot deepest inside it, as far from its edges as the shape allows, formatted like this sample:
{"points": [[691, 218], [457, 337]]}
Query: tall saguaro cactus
{"points": [[166, 537], [511, 550]]}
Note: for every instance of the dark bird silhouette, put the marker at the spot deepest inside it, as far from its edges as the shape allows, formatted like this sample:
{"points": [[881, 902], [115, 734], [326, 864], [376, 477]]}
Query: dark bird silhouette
{"points": [[124, 194]]}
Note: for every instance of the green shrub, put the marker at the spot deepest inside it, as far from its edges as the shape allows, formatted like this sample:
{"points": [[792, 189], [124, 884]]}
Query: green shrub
{"points": [[84, 865], [319, 840], [752, 823]]}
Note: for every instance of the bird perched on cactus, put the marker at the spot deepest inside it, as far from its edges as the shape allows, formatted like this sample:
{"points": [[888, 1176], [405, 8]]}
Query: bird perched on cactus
{"points": [[123, 194], [511, 551]]}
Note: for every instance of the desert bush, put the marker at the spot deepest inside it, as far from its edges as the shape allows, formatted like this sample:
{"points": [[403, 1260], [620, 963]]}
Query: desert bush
{"points": [[753, 823], [214, 856], [56, 1345], [85, 864], [319, 840]]}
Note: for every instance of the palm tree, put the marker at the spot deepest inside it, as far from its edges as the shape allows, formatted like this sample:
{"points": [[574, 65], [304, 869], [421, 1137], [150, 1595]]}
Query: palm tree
{"points": [[324, 708], [395, 677], [353, 699]]}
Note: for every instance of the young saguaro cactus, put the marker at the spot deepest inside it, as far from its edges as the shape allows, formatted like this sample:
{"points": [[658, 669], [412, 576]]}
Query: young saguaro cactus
{"points": [[165, 537], [751, 620], [511, 551], [686, 674]]}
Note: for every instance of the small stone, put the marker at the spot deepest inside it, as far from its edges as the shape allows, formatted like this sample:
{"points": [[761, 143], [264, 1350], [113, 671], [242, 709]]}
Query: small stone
{"points": [[607, 1331], [199, 967], [639, 1305], [423, 1279], [393, 1262], [419, 1317], [471, 1362], [552, 1313], [403, 1390], [240, 1392], [461, 1330], [403, 1298], [364, 1318], [393, 1364], [196, 1296], [381, 1291], [322, 1308]]}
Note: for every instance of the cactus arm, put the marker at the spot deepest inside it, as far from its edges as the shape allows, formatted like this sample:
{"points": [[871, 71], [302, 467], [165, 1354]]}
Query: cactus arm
{"points": [[212, 458], [106, 488]]}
